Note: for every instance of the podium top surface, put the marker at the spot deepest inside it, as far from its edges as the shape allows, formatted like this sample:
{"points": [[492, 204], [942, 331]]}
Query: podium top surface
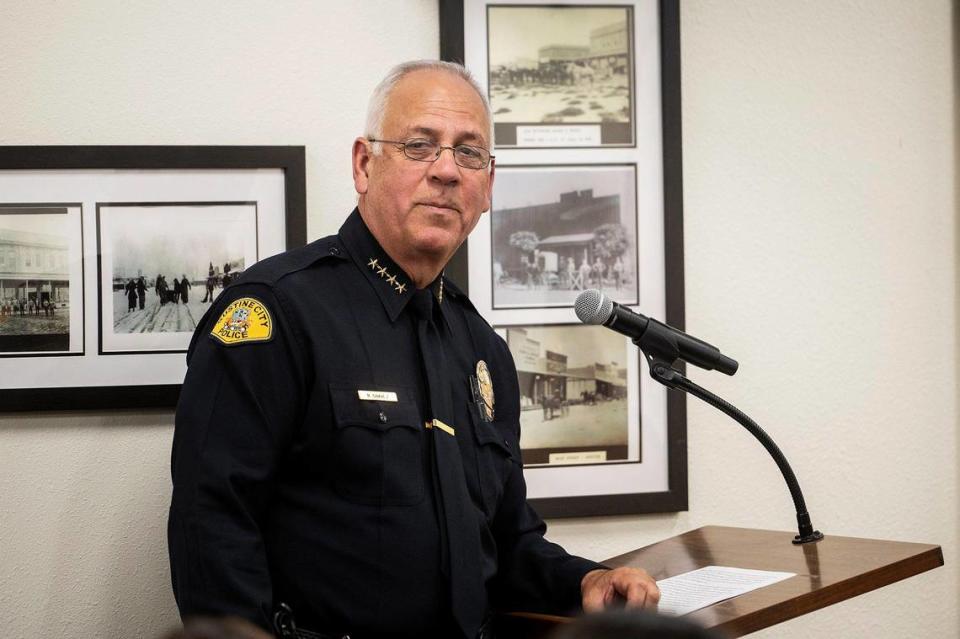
{"points": [[827, 572]]}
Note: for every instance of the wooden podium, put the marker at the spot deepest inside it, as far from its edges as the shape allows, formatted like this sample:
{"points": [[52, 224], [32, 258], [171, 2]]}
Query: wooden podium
{"points": [[827, 572]]}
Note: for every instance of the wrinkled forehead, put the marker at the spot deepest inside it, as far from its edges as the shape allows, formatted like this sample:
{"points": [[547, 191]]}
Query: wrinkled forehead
{"points": [[436, 102]]}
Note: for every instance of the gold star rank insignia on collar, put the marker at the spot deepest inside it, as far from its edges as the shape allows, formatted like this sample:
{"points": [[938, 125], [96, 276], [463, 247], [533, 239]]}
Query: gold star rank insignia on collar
{"points": [[375, 266]]}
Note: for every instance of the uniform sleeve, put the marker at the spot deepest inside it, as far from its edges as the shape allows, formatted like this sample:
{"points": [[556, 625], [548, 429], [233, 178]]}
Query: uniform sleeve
{"points": [[239, 405], [534, 575]]}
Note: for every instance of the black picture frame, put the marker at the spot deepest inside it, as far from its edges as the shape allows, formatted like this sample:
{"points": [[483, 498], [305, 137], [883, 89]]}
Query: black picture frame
{"points": [[291, 160], [675, 498]]}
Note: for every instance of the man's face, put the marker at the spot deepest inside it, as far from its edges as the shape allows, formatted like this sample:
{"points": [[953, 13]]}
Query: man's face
{"points": [[425, 209]]}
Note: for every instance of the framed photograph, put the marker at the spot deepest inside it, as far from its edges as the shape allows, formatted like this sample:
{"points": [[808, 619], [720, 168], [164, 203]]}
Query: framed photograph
{"points": [[560, 75], [41, 280], [156, 259], [575, 407], [558, 230], [587, 194], [110, 256]]}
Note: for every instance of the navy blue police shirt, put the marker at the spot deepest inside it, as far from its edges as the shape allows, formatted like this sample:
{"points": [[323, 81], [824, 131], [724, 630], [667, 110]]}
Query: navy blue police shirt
{"points": [[301, 464]]}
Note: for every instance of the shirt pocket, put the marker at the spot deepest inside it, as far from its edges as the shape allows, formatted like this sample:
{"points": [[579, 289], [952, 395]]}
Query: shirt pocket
{"points": [[497, 453], [378, 458]]}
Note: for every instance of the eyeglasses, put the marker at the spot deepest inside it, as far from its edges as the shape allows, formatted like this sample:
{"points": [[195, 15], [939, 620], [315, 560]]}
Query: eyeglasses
{"points": [[422, 150]]}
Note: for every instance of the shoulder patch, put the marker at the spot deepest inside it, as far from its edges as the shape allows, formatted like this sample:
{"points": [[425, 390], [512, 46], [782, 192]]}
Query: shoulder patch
{"points": [[245, 320]]}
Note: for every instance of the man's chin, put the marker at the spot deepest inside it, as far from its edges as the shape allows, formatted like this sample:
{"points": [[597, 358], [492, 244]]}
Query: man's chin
{"points": [[437, 242]]}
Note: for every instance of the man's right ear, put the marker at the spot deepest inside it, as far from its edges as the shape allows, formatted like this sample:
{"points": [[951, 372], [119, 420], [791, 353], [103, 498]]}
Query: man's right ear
{"points": [[362, 152]]}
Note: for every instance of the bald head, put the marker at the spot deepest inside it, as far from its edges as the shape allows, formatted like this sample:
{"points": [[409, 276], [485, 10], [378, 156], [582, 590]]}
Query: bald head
{"points": [[377, 107]]}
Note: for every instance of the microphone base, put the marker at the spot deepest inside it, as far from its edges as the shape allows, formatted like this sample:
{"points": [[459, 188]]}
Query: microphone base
{"points": [[816, 535], [806, 533]]}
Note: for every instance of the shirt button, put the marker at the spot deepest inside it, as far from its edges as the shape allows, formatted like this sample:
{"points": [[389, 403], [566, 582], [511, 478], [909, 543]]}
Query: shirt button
{"points": [[334, 250], [383, 418]]}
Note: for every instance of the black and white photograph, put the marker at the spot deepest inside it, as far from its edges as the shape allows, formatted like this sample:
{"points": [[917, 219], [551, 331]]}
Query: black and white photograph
{"points": [[561, 76], [162, 265], [556, 231], [573, 394], [40, 280]]}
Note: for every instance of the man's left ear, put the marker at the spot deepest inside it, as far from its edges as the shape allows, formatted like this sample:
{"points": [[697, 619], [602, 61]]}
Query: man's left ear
{"points": [[361, 163], [493, 172]]}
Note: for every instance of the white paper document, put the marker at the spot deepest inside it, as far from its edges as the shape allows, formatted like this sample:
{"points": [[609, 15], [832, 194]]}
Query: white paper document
{"points": [[708, 585]]}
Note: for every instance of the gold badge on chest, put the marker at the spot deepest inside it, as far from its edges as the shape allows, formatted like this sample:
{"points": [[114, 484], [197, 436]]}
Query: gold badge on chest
{"points": [[486, 390]]}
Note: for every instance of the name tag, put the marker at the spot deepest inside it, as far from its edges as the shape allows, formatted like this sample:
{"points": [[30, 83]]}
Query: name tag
{"points": [[377, 396]]}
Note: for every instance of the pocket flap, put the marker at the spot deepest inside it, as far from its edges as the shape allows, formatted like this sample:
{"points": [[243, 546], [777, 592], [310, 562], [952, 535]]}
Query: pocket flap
{"points": [[350, 410], [495, 433]]}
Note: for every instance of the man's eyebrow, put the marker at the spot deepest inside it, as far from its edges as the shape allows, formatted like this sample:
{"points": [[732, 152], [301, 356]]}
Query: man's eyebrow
{"points": [[466, 137]]}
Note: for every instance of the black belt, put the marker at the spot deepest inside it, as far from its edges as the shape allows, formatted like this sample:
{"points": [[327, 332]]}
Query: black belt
{"points": [[286, 627]]}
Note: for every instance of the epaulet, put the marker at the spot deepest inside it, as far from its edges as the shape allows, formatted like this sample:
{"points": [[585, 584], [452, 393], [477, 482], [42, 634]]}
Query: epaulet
{"points": [[272, 269]]}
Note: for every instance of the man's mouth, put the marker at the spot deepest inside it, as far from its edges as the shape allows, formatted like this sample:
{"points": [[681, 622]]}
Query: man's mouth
{"points": [[441, 205]]}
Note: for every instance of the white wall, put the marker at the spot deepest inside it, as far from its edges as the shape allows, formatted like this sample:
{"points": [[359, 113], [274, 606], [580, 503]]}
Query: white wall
{"points": [[820, 175]]}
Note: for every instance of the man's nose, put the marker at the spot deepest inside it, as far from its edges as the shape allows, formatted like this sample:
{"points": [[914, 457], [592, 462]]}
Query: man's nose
{"points": [[445, 169]]}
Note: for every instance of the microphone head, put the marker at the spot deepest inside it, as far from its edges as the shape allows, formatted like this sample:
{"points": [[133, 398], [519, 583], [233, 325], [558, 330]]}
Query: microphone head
{"points": [[593, 307]]}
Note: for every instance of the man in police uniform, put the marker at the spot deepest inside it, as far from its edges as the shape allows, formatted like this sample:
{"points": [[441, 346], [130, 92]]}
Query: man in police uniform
{"points": [[347, 439]]}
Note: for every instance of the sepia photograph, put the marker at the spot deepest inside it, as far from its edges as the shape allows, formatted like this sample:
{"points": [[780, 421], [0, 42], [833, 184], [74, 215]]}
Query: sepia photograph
{"points": [[40, 266], [163, 265], [573, 393], [561, 76], [556, 231]]}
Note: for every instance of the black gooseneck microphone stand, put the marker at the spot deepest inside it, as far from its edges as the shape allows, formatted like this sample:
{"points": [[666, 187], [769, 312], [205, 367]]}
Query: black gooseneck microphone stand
{"points": [[659, 346]]}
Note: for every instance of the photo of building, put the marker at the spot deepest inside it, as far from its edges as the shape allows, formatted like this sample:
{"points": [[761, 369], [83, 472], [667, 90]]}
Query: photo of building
{"points": [[34, 280], [557, 231], [573, 393], [33, 268]]}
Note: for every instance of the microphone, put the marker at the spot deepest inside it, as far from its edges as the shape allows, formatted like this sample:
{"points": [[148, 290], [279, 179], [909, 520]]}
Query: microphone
{"points": [[593, 307], [662, 345]]}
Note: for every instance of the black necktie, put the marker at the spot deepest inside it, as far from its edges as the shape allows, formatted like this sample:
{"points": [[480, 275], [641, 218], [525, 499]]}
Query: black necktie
{"points": [[468, 595]]}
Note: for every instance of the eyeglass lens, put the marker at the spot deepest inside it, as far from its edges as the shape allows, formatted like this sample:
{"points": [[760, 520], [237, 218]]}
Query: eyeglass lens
{"points": [[469, 157]]}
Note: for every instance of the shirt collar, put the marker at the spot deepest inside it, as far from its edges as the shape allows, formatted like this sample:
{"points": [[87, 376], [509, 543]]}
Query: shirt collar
{"points": [[390, 282]]}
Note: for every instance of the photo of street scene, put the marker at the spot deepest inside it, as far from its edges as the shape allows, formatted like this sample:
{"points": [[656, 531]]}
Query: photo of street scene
{"points": [[556, 231], [560, 65], [573, 393], [36, 279], [163, 265]]}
